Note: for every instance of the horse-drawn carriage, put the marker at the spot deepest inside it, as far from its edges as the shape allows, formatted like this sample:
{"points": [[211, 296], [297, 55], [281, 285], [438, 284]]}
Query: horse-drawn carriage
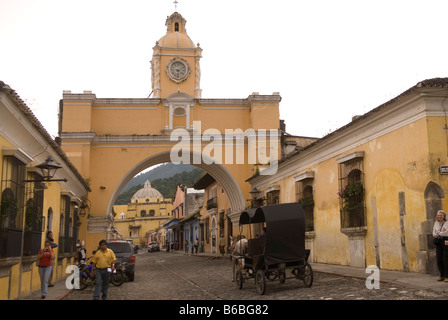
{"points": [[281, 249]]}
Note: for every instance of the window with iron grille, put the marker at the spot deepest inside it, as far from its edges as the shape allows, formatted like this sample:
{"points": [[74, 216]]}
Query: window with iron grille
{"points": [[273, 197], [305, 197], [207, 229], [11, 208], [33, 216], [66, 243], [351, 193]]}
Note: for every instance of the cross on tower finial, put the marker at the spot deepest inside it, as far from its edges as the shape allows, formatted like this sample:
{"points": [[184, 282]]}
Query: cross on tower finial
{"points": [[175, 5]]}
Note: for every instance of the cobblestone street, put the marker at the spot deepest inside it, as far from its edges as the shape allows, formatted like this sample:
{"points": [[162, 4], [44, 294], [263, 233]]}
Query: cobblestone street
{"points": [[174, 276]]}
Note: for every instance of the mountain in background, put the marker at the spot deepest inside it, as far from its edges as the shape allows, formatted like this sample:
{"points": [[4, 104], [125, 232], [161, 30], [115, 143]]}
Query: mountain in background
{"points": [[165, 170], [164, 178]]}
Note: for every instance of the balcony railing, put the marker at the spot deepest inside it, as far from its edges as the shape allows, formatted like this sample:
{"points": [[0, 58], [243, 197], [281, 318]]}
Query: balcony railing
{"points": [[212, 203]]}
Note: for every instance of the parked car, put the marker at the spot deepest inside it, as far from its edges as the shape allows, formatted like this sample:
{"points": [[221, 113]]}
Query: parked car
{"points": [[153, 246], [125, 254]]}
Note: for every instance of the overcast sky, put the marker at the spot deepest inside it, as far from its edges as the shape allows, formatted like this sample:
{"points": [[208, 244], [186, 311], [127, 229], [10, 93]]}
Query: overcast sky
{"points": [[330, 60]]}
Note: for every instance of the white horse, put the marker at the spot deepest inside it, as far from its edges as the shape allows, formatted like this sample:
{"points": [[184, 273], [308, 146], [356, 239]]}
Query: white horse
{"points": [[237, 249]]}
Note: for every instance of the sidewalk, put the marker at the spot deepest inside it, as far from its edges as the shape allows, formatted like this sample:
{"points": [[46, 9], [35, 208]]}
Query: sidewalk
{"points": [[58, 292], [398, 278]]}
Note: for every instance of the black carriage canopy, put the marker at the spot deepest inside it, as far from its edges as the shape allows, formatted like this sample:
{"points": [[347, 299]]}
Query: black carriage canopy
{"points": [[285, 231]]}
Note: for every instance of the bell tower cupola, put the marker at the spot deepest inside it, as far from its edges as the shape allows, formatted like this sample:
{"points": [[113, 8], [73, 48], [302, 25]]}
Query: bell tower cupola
{"points": [[175, 63], [176, 23]]}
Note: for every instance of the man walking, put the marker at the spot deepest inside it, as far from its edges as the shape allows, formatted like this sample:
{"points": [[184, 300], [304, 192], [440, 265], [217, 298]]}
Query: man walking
{"points": [[104, 261]]}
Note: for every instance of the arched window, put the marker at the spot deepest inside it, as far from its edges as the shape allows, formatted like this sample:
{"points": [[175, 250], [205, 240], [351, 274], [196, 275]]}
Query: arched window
{"points": [[307, 202], [351, 196], [176, 27], [433, 200], [50, 219], [61, 225]]}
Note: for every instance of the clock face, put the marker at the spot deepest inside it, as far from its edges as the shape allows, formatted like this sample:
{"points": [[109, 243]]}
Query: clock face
{"points": [[178, 70]]}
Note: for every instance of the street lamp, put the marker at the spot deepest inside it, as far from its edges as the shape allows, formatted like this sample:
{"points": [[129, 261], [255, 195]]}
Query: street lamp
{"points": [[255, 201], [48, 169], [84, 207], [254, 193]]}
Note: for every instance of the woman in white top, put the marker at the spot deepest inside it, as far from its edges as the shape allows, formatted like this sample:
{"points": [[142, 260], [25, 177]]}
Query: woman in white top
{"points": [[440, 230]]}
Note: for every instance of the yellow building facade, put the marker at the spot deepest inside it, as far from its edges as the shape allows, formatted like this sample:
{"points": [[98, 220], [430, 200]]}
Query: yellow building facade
{"points": [[144, 215], [110, 140], [372, 188], [30, 206], [214, 215]]}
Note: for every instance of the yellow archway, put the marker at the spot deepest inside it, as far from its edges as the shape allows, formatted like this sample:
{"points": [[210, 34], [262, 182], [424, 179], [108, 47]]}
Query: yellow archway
{"points": [[110, 140]]}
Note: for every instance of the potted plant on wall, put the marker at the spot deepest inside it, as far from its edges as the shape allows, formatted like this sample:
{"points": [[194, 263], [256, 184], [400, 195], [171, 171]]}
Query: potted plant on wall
{"points": [[307, 202]]}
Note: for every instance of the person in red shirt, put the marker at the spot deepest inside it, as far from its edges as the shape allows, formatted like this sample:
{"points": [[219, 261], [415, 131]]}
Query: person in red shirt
{"points": [[45, 258]]}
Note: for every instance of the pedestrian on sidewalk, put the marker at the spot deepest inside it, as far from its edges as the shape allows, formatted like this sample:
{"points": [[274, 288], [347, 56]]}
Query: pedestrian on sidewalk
{"points": [[45, 258], [440, 231], [81, 254], [222, 244], [196, 245], [53, 245], [104, 261]]}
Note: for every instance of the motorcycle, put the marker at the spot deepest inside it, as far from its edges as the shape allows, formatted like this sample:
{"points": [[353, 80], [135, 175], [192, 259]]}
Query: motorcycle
{"points": [[117, 277], [86, 278]]}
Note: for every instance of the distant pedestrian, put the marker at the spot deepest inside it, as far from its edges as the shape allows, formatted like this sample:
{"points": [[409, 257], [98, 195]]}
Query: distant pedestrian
{"points": [[81, 253], [196, 245], [222, 244], [186, 246], [104, 261], [440, 231], [45, 258]]}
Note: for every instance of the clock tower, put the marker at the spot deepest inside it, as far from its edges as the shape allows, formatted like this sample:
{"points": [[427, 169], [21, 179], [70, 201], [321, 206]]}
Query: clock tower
{"points": [[175, 63]]}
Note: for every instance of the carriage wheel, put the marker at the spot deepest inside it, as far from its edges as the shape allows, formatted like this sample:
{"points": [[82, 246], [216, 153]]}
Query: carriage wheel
{"points": [[260, 282], [308, 276], [239, 279]]}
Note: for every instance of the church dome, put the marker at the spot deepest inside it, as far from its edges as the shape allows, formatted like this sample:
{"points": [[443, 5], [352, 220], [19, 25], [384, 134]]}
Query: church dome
{"points": [[146, 193], [176, 34], [176, 40]]}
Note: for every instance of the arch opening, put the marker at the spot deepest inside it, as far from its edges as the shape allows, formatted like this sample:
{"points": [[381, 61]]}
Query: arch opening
{"points": [[217, 171]]}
